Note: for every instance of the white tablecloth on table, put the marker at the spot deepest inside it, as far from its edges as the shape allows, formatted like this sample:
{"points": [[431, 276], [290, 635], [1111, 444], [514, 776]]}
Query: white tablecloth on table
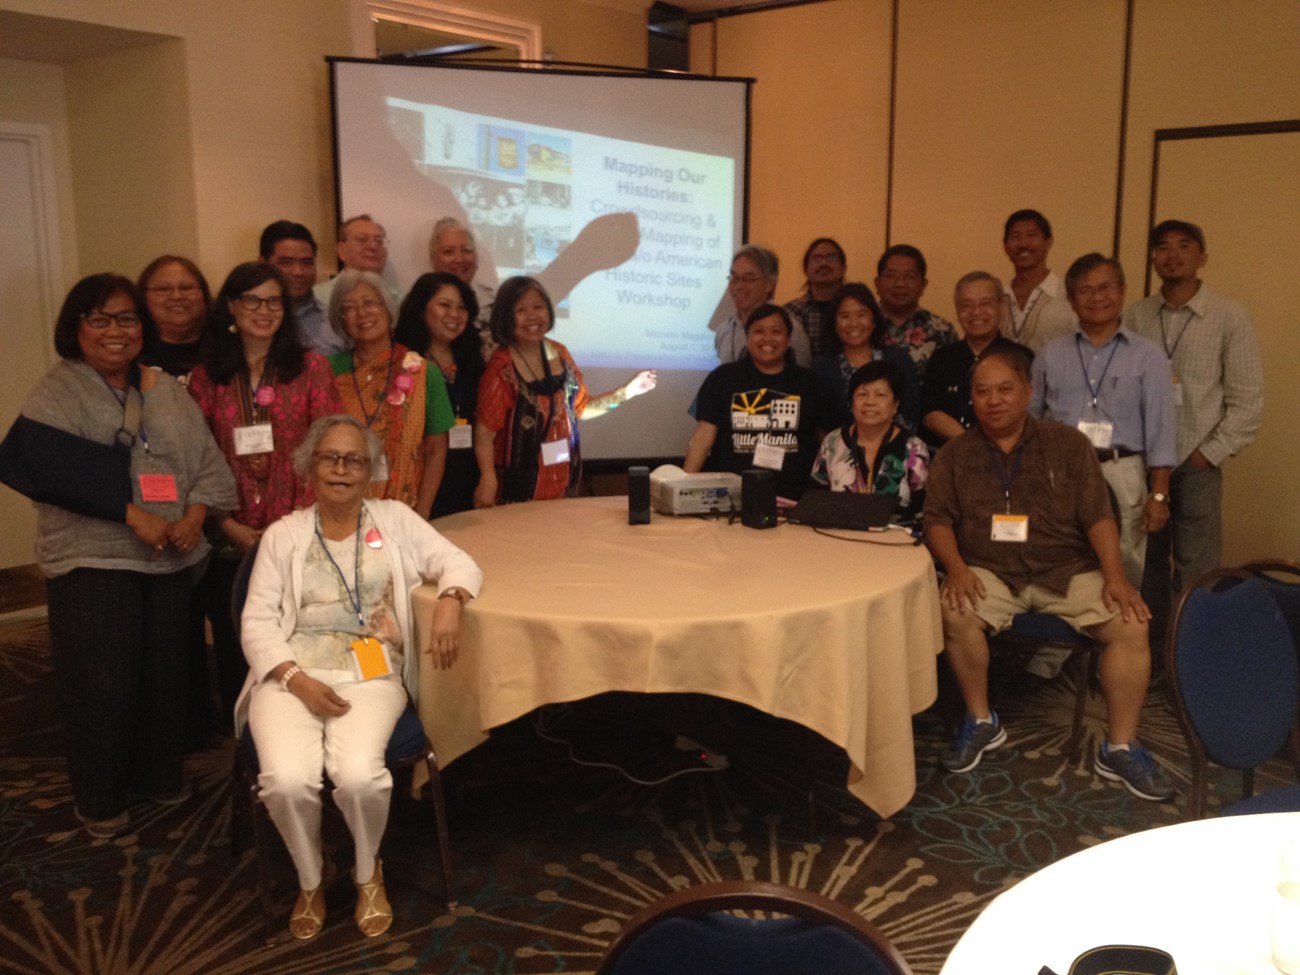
{"points": [[1202, 891], [838, 636]]}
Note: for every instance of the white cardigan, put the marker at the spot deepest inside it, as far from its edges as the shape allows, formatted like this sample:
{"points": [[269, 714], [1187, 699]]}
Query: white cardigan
{"points": [[415, 551]]}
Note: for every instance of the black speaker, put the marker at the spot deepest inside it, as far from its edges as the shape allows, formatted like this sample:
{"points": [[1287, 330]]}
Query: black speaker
{"points": [[758, 498], [638, 495]]}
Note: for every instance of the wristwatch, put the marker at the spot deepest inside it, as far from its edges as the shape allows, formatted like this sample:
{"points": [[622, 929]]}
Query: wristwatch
{"points": [[1160, 498], [456, 593]]}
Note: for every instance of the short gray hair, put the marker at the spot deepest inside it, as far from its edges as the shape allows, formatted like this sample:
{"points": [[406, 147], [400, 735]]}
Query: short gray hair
{"points": [[344, 284], [449, 223], [302, 455], [766, 260], [970, 277]]}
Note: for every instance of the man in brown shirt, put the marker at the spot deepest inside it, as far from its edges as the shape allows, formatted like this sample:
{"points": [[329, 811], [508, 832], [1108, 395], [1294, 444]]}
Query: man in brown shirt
{"points": [[1030, 529]]}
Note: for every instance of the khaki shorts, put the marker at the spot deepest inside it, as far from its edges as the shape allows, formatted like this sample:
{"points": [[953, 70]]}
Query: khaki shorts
{"points": [[1083, 606]]}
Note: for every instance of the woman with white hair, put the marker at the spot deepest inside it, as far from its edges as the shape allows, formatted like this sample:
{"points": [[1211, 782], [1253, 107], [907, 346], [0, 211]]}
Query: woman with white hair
{"points": [[391, 390], [328, 632]]}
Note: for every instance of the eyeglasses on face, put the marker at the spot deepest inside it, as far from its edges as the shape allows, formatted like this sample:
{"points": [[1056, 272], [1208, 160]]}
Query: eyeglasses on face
{"points": [[251, 302], [331, 458], [1099, 290], [366, 305], [102, 319], [745, 278]]}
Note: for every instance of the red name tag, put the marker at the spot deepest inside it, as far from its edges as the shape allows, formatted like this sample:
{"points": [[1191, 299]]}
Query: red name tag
{"points": [[158, 487]]}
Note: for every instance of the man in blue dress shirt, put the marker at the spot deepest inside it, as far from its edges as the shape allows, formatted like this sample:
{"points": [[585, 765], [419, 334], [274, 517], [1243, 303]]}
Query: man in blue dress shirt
{"points": [[1115, 386]]}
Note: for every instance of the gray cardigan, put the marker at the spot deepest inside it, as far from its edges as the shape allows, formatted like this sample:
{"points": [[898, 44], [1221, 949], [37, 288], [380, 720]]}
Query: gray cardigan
{"points": [[72, 396]]}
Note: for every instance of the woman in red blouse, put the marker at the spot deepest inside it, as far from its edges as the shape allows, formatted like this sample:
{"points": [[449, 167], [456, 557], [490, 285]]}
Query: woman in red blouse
{"points": [[259, 391], [529, 401]]}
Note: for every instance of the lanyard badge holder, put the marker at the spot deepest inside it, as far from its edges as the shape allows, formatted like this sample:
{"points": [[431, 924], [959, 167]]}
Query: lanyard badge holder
{"points": [[370, 657]]}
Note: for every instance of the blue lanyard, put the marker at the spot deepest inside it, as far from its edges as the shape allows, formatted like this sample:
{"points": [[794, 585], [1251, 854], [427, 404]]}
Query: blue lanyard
{"points": [[353, 599], [1008, 478], [1164, 334], [1095, 390]]}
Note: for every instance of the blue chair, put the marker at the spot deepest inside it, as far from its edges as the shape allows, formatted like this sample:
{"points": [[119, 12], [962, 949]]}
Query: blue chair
{"points": [[1234, 681], [407, 747], [1033, 630], [689, 933]]}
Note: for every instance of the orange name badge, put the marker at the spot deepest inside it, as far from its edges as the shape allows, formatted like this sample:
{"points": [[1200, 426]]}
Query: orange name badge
{"points": [[158, 487], [1010, 528], [371, 658]]}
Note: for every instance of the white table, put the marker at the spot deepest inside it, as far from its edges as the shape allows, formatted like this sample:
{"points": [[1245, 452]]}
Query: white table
{"points": [[1202, 891], [838, 636]]}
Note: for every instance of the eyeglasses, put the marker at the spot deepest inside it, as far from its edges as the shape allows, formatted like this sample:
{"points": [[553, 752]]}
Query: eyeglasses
{"points": [[252, 302], [365, 305], [173, 289], [365, 240], [745, 278], [831, 258], [1100, 290], [331, 458], [103, 319]]}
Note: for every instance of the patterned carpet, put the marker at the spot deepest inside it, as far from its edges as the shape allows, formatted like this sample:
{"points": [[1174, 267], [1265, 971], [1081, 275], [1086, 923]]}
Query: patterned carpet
{"points": [[550, 856]]}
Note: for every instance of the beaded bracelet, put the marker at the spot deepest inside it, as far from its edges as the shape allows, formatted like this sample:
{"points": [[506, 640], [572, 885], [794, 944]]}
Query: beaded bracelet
{"points": [[289, 675]]}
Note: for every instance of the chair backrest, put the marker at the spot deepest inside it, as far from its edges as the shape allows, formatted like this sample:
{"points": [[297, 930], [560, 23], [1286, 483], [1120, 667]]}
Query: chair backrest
{"points": [[686, 933], [1233, 671], [1281, 579], [239, 589]]}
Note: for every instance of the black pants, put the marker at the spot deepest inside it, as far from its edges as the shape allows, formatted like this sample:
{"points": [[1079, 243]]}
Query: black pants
{"points": [[121, 657]]}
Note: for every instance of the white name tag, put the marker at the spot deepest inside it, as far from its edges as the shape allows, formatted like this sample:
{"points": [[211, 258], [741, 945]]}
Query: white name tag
{"points": [[380, 471], [1010, 528], [768, 455], [1099, 433], [1178, 393], [461, 436], [255, 439], [555, 452]]}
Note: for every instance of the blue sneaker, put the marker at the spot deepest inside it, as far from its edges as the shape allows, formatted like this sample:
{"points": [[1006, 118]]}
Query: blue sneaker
{"points": [[1137, 770], [973, 739]]}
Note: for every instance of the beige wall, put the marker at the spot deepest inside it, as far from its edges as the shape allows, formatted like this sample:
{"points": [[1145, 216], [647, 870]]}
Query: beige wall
{"points": [[820, 125]]}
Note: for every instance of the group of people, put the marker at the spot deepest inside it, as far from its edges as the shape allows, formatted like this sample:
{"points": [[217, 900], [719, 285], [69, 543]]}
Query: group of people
{"points": [[1056, 450]]}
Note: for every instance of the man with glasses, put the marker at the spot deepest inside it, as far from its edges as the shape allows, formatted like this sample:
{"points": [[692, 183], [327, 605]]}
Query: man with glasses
{"points": [[362, 246], [824, 265], [900, 282], [751, 283], [290, 248], [1114, 386], [1037, 310], [1218, 392]]}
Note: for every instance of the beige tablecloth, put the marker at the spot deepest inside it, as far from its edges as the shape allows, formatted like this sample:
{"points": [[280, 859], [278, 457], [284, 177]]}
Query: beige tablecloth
{"points": [[838, 636]]}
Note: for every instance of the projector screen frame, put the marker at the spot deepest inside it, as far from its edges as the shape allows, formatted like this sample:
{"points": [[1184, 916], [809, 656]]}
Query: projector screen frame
{"points": [[593, 465]]}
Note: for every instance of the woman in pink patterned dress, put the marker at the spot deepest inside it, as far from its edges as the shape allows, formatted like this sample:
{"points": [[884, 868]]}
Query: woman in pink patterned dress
{"points": [[259, 391]]}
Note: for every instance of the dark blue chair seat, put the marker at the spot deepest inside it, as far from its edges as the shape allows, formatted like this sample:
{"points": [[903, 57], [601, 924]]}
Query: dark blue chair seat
{"points": [[688, 933], [1286, 799]]}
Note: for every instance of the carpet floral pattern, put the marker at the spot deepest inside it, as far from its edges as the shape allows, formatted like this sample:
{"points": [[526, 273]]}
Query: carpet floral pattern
{"points": [[550, 856]]}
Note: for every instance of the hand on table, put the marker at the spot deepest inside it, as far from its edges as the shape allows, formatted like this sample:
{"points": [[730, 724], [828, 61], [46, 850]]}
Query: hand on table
{"points": [[444, 633]]}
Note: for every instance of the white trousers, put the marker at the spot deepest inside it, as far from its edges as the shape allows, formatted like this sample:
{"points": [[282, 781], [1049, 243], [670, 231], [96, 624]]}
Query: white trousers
{"points": [[295, 748], [1127, 477]]}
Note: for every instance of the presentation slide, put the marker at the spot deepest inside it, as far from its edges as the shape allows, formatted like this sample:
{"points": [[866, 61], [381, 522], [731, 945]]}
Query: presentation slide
{"points": [[624, 196]]}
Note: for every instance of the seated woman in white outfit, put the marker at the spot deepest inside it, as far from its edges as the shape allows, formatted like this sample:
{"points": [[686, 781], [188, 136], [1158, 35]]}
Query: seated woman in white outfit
{"points": [[329, 638]]}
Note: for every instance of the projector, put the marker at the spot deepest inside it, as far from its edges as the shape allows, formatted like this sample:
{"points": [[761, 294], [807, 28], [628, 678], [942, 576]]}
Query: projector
{"points": [[674, 492]]}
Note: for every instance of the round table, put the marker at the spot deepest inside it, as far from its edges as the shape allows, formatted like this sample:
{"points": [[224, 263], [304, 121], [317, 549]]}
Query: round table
{"points": [[1202, 891], [838, 636]]}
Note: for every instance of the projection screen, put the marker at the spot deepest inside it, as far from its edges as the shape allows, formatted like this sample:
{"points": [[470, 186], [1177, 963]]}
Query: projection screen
{"points": [[624, 195]]}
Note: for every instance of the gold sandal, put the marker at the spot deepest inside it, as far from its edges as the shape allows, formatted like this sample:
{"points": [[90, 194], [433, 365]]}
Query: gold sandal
{"points": [[374, 913], [308, 915]]}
